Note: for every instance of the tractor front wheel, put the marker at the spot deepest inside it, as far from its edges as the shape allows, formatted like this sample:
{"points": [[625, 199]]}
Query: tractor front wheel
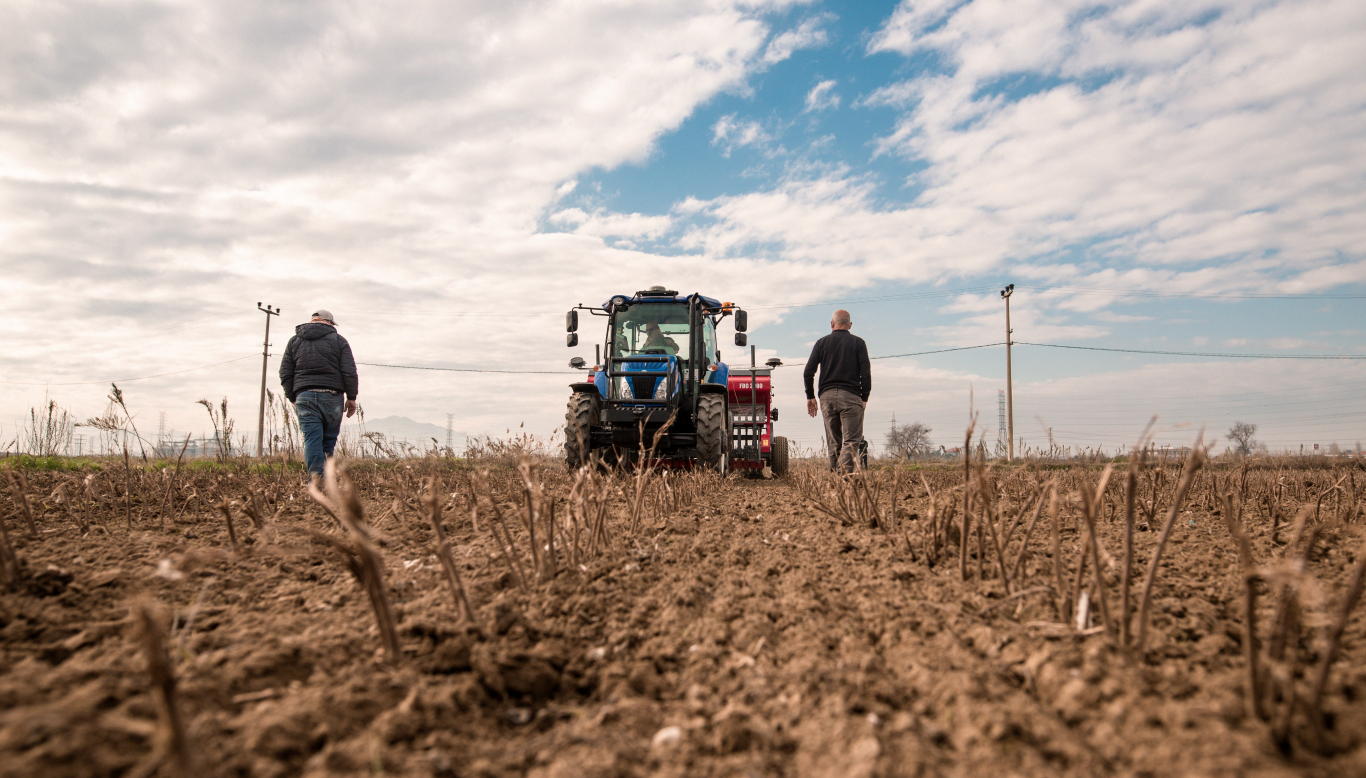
{"points": [[779, 463], [713, 442], [578, 428]]}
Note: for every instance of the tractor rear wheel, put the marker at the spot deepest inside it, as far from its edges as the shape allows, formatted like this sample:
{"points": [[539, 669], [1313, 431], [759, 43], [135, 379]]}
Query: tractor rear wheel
{"points": [[578, 428], [779, 463], [713, 442]]}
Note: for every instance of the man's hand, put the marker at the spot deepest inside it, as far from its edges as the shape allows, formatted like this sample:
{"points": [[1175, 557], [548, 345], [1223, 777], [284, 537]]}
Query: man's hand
{"points": [[811, 407], [865, 403], [350, 408]]}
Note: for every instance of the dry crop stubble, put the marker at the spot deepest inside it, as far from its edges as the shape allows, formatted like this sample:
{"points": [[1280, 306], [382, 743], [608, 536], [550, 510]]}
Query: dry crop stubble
{"points": [[769, 621]]}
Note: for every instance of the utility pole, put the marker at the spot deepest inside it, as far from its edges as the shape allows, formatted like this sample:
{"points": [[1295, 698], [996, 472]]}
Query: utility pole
{"points": [[1001, 433], [450, 434], [265, 363], [1010, 398]]}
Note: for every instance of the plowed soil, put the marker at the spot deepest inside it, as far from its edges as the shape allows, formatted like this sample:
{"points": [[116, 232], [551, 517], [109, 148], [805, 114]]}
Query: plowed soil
{"points": [[746, 634]]}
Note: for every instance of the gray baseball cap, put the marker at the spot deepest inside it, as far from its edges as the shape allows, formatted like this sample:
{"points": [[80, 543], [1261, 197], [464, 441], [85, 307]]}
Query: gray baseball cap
{"points": [[323, 313]]}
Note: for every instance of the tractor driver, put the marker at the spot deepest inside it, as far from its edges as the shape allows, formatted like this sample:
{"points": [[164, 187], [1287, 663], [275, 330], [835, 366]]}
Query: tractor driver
{"points": [[656, 339]]}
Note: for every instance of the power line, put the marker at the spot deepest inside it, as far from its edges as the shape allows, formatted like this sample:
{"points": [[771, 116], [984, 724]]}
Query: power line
{"points": [[1196, 353], [1192, 295], [124, 380], [469, 369], [940, 351], [881, 299], [917, 353]]}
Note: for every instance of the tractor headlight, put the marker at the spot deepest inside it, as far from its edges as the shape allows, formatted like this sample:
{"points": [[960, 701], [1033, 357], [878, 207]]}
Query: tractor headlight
{"points": [[662, 391], [626, 393]]}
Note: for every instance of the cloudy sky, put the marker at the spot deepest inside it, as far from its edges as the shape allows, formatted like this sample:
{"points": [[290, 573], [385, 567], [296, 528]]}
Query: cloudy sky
{"points": [[449, 178]]}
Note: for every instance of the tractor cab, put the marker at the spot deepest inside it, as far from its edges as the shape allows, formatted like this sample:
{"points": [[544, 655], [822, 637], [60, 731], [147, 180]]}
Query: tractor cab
{"points": [[652, 338]]}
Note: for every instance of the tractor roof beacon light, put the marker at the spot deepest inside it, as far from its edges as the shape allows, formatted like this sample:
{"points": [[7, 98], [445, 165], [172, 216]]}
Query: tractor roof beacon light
{"points": [[774, 362], [577, 363]]}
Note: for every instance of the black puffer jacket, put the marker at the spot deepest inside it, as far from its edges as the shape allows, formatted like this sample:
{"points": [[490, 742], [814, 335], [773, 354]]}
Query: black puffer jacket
{"points": [[317, 357]]}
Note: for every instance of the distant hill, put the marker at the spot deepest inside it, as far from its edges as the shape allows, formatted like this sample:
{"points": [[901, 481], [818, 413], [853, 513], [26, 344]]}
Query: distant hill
{"points": [[418, 433]]}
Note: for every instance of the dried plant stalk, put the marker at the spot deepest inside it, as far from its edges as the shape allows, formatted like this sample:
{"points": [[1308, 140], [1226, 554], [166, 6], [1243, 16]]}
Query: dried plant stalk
{"points": [[127, 488], [1193, 463], [1136, 461], [360, 555], [65, 498], [161, 514], [226, 508], [1006, 600], [1250, 576], [19, 488], [443, 552], [967, 506], [645, 467], [1090, 506], [9, 561], [1020, 514], [1062, 606], [1333, 641], [170, 726], [932, 518], [1029, 530], [988, 507], [1286, 612], [91, 498], [505, 542]]}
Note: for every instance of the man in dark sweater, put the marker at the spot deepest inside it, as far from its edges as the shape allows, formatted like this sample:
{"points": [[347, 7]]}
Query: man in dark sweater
{"points": [[846, 380], [318, 374]]}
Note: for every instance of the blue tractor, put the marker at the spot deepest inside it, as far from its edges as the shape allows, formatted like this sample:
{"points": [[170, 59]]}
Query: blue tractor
{"points": [[659, 365]]}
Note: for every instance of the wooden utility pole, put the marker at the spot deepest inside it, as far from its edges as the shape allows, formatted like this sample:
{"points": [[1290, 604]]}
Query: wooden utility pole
{"points": [[1010, 397], [265, 364]]}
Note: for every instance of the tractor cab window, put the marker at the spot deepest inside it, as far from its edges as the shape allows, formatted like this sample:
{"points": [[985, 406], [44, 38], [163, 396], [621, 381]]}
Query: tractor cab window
{"points": [[651, 329], [708, 341]]}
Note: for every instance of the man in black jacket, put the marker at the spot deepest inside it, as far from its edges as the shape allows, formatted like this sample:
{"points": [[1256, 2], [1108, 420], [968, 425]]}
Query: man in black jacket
{"points": [[846, 381], [319, 377]]}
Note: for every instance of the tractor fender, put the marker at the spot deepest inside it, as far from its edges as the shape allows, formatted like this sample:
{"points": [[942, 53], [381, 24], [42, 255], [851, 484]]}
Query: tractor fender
{"points": [[583, 387], [712, 388]]}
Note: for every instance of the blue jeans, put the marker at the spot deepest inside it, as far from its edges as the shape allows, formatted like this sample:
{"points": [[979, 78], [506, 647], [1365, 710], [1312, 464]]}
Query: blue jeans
{"points": [[320, 418]]}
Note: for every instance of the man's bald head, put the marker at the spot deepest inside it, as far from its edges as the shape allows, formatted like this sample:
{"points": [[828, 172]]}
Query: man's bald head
{"points": [[840, 320]]}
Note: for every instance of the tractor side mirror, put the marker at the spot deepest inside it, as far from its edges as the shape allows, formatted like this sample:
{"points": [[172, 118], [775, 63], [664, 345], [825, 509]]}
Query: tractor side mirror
{"points": [[571, 321], [577, 363], [740, 339], [571, 340], [741, 322]]}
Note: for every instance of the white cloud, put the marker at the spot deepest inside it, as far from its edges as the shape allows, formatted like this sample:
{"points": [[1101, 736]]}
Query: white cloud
{"points": [[1216, 156], [822, 97], [902, 32], [600, 223], [1196, 143], [731, 134], [809, 34], [163, 163], [162, 167]]}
